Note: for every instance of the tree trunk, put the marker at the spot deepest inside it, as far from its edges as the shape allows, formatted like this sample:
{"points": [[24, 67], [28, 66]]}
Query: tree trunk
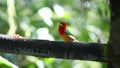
{"points": [[114, 42]]}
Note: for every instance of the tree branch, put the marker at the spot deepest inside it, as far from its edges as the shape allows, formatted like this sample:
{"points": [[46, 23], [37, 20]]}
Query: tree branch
{"points": [[54, 49]]}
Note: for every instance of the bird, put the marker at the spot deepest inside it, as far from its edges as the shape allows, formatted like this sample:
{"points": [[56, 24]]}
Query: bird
{"points": [[65, 34]]}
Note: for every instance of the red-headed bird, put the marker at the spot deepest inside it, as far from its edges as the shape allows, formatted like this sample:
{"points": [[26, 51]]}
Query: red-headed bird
{"points": [[65, 34]]}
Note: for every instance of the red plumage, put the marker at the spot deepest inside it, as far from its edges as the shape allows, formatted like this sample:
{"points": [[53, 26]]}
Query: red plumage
{"points": [[62, 28]]}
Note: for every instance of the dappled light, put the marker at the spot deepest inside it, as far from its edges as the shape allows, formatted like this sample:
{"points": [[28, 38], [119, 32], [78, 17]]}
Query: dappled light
{"points": [[59, 10], [43, 33], [46, 14]]}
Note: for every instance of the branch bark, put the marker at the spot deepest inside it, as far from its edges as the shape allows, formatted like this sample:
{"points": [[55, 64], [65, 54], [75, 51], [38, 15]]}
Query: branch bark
{"points": [[55, 49], [114, 42]]}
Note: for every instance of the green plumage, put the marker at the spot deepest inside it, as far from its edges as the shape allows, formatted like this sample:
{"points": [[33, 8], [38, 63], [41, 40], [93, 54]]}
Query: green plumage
{"points": [[67, 32]]}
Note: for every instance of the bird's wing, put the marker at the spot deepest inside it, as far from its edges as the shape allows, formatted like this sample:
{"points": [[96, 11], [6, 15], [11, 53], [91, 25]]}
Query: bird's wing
{"points": [[71, 36], [67, 32]]}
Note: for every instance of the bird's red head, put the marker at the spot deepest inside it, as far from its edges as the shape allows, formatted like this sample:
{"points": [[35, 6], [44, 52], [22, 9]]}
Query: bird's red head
{"points": [[62, 28]]}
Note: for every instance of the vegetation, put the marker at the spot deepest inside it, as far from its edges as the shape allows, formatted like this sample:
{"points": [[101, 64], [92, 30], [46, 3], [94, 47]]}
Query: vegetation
{"points": [[88, 21]]}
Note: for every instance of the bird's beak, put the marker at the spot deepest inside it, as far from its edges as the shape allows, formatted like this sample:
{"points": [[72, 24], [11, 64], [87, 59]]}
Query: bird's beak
{"points": [[60, 25]]}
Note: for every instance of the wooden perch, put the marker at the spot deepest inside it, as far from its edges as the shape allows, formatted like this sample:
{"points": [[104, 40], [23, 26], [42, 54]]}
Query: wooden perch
{"points": [[53, 49]]}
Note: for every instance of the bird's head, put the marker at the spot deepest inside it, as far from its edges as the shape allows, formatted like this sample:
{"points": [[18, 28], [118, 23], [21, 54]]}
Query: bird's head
{"points": [[62, 28]]}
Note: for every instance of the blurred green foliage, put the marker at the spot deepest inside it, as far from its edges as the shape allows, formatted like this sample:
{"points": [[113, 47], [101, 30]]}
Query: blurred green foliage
{"points": [[87, 20]]}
